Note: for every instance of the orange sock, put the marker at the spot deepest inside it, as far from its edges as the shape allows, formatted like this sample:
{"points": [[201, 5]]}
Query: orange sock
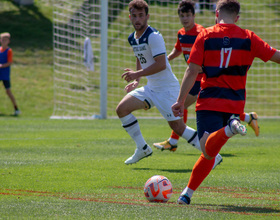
{"points": [[215, 142], [185, 118], [200, 171], [174, 135], [242, 116], [203, 167]]}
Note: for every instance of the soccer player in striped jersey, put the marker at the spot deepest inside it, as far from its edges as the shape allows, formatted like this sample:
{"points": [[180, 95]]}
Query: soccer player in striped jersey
{"points": [[225, 52], [162, 86], [185, 39]]}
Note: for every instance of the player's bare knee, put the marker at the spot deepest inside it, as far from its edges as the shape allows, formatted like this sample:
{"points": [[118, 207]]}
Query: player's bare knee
{"points": [[122, 110], [119, 111], [207, 156], [177, 126], [202, 141]]}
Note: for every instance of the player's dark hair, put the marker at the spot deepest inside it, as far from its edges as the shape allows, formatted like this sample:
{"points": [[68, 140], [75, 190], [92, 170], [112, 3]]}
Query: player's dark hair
{"points": [[138, 4], [228, 6], [185, 6]]}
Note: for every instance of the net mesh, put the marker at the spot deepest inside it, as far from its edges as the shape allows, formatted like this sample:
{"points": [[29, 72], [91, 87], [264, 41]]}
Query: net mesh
{"points": [[77, 91]]}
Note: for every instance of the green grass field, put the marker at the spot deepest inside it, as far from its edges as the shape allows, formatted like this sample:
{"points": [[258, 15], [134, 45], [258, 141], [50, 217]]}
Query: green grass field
{"points": [[32, 69], [74, 169]]}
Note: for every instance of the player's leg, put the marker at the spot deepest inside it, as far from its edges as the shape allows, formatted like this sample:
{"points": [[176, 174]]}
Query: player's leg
{"points": [[252, 120], [163, 102], [192, 138], [124, 111], [211, 143], [188, 102], [9, 93], [171, 143], [186, 132]]}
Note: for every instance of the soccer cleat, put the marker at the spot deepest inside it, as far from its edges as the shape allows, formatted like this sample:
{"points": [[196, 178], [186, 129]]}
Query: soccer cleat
{"points": [[253, 123], [218, 160], [235, 126], [184, 200], [165, 145], [139, 154], [17, 112]]}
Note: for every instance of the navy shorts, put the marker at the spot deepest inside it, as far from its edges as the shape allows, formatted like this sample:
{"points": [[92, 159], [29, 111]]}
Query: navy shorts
{"points": [[210, 121], [195, 89], [7, 84]]}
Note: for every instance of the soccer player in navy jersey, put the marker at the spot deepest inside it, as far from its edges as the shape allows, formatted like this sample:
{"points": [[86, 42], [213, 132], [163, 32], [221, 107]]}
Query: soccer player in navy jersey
{"points": [[226, 52], [162, 86]]}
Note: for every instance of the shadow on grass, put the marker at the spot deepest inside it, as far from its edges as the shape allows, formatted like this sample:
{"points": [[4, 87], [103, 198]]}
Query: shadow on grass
{"points": [[28, 27], [228, 155], [247, 210], [178, 170], [166, 170], [8, 115]]}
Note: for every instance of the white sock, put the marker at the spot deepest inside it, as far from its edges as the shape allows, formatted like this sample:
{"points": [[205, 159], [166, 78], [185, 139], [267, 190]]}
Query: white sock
{"points": [[173, 141], [191, 136], [187, 191], [130, 124], [228, 132], [247, 118]]}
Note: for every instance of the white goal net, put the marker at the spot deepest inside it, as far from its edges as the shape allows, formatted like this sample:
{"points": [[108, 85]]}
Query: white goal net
{"points": [[78, 91]]}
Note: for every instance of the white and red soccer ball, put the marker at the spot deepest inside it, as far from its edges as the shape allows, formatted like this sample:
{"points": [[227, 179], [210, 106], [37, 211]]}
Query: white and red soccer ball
{"points": [[158, 189]]}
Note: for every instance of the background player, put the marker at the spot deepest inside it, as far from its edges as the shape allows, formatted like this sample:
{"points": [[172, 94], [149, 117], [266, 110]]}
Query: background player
{"points": [[6, 59], [185, 39], [226, 53]]}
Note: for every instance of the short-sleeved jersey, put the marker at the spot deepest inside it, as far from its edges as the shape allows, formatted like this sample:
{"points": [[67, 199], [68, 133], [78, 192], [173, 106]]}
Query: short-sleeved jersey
{"points": [[226, 52], [185, 41], [146, 48], [9, 54], [6, 56]]}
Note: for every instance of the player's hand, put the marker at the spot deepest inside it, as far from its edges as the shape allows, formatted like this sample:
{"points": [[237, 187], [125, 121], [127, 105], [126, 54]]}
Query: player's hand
{"points": [[178, 109], [129, 75], [131, 86]]}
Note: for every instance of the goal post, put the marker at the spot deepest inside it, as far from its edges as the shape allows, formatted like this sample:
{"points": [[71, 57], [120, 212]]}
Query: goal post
{"points": [[80, 93], [104, 59]]}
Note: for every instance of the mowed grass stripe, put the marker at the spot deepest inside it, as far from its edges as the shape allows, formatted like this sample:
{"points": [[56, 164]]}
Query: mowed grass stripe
{"points": [[75, 169]]}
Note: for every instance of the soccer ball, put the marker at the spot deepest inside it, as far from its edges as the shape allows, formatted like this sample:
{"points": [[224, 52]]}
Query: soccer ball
{"points": [[158, 189]]}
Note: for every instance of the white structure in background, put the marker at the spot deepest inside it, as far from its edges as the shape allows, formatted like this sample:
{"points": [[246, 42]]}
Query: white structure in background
{"points": [[88, 55]]}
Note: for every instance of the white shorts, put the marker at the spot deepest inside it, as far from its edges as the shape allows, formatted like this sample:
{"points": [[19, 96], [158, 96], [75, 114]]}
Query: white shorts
{"points": [[161, 100]]}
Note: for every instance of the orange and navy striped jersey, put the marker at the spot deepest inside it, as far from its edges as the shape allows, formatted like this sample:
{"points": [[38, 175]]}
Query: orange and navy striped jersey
{"points": [[185, 41], [226, 52]]}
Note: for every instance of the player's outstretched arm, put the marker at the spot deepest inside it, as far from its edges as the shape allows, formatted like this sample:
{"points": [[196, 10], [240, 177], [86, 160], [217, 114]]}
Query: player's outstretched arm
{"points": [[276, 57], [173, 54], [157, 66], [5, 65], [187, 83], [131, 86]]}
